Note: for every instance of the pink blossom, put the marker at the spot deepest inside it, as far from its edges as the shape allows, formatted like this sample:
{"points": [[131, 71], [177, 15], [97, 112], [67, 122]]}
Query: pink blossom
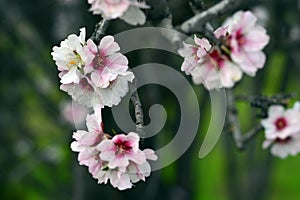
{"points": [[281, 123], [86, 144], [86, 141], [118, 160], [106, 62], [284, 147], [141, 171], [208, 66], [246, 41], [216, 71], [189, 53], [84, 93], [282, 131], [92, 75], [117, 88], [70, 57], [221, 32], [123, 178], [120, 150], [119, 179], [127, 10], [109, 9], [192, 54]]}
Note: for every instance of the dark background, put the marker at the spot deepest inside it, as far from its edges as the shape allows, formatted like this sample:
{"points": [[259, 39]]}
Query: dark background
{"points": [[35, 157]]}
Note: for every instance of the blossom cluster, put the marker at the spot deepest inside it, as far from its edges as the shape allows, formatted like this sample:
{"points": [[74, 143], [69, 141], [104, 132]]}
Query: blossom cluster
{"points": [[92, 75], [282, 130], [98, 76], [117, 159], [127, 10], [239, 51]]}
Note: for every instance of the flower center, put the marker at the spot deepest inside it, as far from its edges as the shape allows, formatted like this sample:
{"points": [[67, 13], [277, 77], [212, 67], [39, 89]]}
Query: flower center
{"points": [[75, 61], [122, 146], [98, 61], [280, 123], [240, 38], [216, 58]]}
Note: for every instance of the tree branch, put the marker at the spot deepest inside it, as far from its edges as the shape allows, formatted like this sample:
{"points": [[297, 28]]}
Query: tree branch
{"points": [[233, 119], [251, 134], [264, 102], [239, 139], [192, 25], [100, 28], [207, 30], [139, 116]]}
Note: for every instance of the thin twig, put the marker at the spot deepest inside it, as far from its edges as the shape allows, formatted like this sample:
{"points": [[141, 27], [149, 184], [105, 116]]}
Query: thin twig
{"points": [[251, 134], [263, 102], [233, 119], [99, 31], [280, 98], [239, 138], [192, 25], [207, 30], [139, 116]]}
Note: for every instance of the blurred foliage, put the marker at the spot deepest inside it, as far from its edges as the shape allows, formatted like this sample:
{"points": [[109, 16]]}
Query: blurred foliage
{"points": [[35, 158]]}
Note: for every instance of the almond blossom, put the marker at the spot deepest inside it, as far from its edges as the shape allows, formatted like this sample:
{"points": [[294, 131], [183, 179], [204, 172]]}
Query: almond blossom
{"points": [[93, 75], [106, 63], [70, 57], [84, 93], [125, 178], [208, 66], [246, 40], [125, 162], [87, 94], [118, 160], [284, 147], [116, 89], [192, 54], [138, 172], [110, 9], [86, 141], [282, 131], [120, 150], [281, 123], [128, 10]]}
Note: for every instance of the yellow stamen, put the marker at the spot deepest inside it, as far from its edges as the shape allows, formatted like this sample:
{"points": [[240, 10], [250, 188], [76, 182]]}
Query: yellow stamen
{"points": [[72, 62]]}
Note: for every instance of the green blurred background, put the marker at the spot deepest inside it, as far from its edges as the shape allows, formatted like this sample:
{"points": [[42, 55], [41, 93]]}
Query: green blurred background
{"points": [[35, 157]]}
